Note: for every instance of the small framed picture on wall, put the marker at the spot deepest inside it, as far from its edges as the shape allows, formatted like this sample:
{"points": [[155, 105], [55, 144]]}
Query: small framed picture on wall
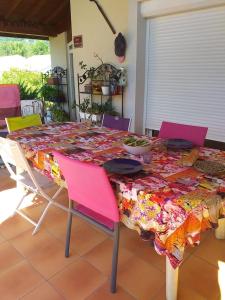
{"points": [[78, 41]]}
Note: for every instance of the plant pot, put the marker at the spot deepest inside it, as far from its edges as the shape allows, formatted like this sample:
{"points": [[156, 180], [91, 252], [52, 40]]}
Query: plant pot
{"points": [[84, 116], [53, 81], [105, 90], [96, 118]]}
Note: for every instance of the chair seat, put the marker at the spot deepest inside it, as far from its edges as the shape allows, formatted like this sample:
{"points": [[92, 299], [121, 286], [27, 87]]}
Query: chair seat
{"points": [[95, 216], [25, 179]]}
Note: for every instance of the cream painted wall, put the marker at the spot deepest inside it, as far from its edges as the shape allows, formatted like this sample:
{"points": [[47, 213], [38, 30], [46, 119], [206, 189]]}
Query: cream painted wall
{"points": [[97, 36], [58, 50]]}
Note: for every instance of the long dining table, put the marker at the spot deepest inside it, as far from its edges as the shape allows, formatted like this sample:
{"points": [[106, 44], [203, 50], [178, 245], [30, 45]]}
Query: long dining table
{"points": [[167, 202]]}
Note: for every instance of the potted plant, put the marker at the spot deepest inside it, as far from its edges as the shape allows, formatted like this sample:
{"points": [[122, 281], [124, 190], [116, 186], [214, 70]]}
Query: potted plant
{"points": [[96, 112], [53, 99], [58, 114], [83, 108]]}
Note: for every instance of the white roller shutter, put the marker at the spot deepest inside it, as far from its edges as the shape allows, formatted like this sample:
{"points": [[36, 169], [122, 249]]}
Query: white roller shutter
{"points": [[185, 80]]}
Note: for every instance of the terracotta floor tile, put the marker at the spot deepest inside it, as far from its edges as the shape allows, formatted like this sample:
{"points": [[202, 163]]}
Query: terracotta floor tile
{"points": [[84, 236], [18, 281], [2, 239], [14, 226], [55, 216], [201, 277], [185, 293], [28, 244], [104, 293], [49, 258], [212, 249], [140, 279], [8, 256], [45, 292], [160, 294], [131, 241], [77, 281], [101, 256], [5, 181], [58, 227]]}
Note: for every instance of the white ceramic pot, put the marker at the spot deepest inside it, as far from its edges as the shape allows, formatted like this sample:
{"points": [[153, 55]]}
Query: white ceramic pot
{"points": [[84, 116], [96, 118], [105, 90]]}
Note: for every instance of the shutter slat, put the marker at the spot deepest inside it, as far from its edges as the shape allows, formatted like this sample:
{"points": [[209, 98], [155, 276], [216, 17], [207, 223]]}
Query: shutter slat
{"points": [[186, 70]]}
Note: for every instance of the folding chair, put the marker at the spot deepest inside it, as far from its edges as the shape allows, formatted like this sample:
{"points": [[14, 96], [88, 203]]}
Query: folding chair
{"points": [[95, 202], [116, 122], [17, 123], [12, 155], [27, 110], [194, 134]]}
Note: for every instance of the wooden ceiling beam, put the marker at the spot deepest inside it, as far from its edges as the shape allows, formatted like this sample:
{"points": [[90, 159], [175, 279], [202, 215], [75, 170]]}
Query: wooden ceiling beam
{"points": [[56, 12], [37, 8], [22, 27], [13, 8], [24, 36]]}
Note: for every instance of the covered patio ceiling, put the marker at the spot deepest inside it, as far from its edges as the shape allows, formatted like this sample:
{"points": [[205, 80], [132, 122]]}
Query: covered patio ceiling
{"points": [[34, 19]]}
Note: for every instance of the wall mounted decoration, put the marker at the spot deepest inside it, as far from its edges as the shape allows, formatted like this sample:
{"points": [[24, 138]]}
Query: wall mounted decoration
{"points": [[78, 41], [104, 16]]}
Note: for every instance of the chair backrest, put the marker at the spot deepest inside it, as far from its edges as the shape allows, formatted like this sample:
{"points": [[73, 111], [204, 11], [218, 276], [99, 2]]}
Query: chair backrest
{"points": [[13, 155], [27, 110], [97, 194], [116, 122], [17, 123], [194, 134], [9, 102]]}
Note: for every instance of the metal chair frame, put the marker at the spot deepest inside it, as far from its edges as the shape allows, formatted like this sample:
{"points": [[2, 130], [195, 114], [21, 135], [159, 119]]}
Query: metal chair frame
{"points": [[13, 155]]}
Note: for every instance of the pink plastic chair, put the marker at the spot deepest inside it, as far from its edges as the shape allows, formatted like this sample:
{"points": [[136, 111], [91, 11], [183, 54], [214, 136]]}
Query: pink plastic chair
{"points": [[95, 201], [9, 102], [194, 134]]}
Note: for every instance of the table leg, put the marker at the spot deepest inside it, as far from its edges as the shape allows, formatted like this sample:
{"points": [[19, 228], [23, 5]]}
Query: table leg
{"points": [[220, 231], [171, 281]]}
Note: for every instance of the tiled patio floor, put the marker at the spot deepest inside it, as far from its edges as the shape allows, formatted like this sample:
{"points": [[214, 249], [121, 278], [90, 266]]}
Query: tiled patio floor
{"points": [[34, 267]]}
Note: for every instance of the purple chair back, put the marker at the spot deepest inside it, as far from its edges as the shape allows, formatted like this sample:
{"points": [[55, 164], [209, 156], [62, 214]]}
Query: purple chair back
{"points": [[9, 102], [116, 122], [194, 134], [89, 186]]}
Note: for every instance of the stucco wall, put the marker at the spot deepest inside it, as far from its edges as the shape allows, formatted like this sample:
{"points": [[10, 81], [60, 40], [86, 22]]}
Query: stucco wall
{"points": [[97, 36], [58, 49]]}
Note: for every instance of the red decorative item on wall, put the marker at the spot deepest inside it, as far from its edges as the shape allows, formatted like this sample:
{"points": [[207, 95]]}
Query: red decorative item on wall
{"points": [[78, 41]]}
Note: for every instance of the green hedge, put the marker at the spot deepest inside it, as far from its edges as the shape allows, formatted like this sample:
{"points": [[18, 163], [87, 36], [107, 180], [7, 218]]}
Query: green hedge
{"points": [[29, 82]]}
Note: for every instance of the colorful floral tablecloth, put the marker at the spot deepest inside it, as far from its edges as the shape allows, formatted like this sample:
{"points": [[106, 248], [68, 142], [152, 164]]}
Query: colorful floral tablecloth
{"points": [[166, 202]]}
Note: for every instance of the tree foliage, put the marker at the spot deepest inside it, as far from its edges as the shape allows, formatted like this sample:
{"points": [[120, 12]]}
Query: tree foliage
{"points": [[24, 48], [30, 82]]}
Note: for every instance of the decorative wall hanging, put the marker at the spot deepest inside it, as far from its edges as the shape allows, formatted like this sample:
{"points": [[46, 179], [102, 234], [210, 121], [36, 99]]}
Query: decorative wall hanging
{"points": [[104, 16], [78, 41], [120, 47]]}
